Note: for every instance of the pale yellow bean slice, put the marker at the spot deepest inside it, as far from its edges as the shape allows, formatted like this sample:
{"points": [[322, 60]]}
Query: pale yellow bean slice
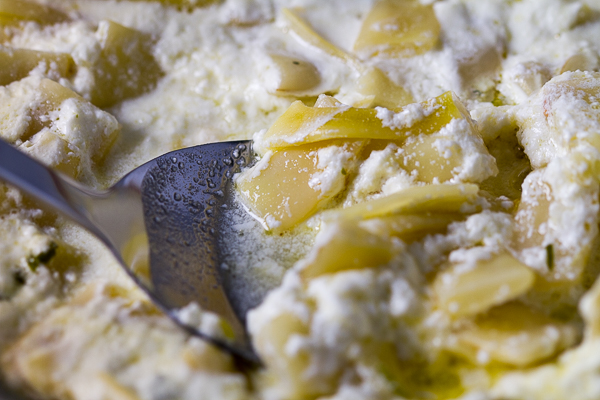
{"points": [[345, 246], [295, 75], [301, 124], [13, 11], [288, 186], [414, 200], [464, 291], [308, 35], [516, 335], [385, 93], [411, 227], [126, 67], [18, 63], [398, 28]]}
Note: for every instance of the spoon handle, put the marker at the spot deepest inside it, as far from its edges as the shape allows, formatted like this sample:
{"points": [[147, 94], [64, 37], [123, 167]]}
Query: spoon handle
{"points": [[29, 175], [114, 216], [183, 253], [43, 184]]}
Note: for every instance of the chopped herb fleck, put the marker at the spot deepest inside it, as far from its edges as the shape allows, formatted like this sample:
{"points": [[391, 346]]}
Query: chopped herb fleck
{"points": [[344, 171], [550, 257], [42, 258]]}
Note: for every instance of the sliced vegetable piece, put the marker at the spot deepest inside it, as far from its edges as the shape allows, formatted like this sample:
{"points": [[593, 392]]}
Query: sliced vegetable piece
{"points": [[286, 187], [343, 246], [14, 11], [295, 75], [515, 334], [398, 28], [309, 36], [467, 290], [385, 93], [126, 67], [18, 63], [580, 62], [566, 219], [533, 212], [415, 200], [82, 114], [411, 227], [430, 164], [300, 124], [325, 101], [55, 124], [570, 97], [26, 104]]}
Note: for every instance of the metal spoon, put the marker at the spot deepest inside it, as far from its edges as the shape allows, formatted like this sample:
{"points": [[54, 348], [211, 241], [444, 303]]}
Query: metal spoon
{"points": [[166, 211]]}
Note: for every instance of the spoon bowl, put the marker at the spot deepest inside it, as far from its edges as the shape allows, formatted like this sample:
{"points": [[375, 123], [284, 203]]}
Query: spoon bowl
{"points": [[161, 222]]}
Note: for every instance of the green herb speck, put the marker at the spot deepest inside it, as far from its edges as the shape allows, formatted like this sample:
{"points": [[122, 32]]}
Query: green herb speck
{"points": [[42, 258]]}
